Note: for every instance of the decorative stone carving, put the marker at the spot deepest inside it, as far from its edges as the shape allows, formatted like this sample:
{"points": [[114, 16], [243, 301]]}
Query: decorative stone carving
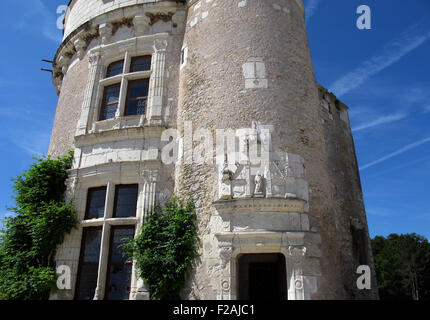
{"points": [[225, 252], [81, 46], [105, 31], [297, 251], [225, 183], [259, 180], [160, 45], [141, 24]]}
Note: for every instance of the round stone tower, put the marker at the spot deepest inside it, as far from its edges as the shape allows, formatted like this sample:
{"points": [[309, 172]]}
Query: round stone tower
{"points": [[266, 153], [247, 68]]}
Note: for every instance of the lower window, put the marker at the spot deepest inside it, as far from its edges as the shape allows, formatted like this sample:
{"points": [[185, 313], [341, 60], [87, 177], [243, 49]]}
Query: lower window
{"points": [[118, 283], [89, 263]]}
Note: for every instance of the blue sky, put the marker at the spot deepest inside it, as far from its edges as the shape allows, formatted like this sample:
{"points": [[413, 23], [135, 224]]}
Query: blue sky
{"points": [[382, 74]]}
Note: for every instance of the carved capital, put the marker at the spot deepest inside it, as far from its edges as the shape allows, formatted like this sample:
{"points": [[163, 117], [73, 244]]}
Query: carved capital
{"points": [[94, 58], [150, 175], [160, 45]]}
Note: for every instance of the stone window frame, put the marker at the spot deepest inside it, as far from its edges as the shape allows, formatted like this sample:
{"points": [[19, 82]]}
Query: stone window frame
{"points": [[123, 80], [100, 58], [146, 176], [107, 223]]}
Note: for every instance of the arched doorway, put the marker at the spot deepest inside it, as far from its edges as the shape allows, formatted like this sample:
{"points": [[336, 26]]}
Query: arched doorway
{"points": [[262, 277]]}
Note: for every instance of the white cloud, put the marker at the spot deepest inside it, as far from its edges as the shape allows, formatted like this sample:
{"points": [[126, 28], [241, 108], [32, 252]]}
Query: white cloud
{"points": [[311, 7], [380, 212], [36, 16], [391, 53], [380, 121], [34, 143], [396, 153]]}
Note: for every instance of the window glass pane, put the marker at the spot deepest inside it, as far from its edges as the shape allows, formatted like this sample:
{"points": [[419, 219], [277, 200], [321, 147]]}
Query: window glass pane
{"points": [[138, 89], [109, 111], [112, 94], [92, 240], [115, 68], [119, 272], [119, 236], [110, 102], [140, 64], [136, 107], [96, 203], [126, 201], [89, 264]]}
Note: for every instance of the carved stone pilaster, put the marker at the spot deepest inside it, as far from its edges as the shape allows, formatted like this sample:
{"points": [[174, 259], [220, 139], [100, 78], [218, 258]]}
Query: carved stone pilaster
{"points": [[105, 31], [150, 178], [155, 101], [93, 78], [141, 25]]}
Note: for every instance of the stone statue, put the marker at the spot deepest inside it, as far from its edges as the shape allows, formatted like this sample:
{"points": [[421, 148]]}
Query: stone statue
{"points": [[258, 185], [225, 183]]}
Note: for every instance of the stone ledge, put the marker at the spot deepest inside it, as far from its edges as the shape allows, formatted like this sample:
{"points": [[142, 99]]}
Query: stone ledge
{"points": [[119, 135]]}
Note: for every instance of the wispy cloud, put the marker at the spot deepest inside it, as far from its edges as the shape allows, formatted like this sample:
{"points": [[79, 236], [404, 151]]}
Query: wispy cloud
{"points": [[380, 121], [311, 7], [390, 54], [381, 212], [37, 16], [34, 143], [396, 153]]}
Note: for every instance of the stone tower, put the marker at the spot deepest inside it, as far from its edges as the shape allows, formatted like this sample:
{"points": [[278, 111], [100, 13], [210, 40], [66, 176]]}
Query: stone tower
{"points": [[265, 152]]}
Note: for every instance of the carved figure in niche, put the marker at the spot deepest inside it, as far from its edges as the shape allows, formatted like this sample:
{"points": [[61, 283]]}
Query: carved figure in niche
{"points": [[225, 183], [259, 180]]}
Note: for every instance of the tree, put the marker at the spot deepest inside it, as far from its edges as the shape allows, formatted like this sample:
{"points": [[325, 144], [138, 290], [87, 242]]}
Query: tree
{"points": [[402, 265], [29, 239], [165, 249]]}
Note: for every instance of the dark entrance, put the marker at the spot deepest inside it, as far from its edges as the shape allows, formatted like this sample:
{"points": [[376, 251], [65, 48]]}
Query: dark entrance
{"points": [[262, 277]]}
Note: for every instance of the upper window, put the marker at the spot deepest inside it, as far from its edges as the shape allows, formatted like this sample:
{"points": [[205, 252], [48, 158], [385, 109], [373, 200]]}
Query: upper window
{"points": [[96, 203], [110, 102], [137, 97], [125, 201], [135, 86], [142, 63], [115, 69]]}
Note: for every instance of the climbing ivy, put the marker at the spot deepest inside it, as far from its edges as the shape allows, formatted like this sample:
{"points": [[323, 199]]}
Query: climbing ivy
{"points": [[165, 249], [30, 237]]}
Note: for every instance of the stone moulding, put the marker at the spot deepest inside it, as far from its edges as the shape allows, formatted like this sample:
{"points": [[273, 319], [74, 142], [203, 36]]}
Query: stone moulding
{"points": [[260, 205], [118, 135]]}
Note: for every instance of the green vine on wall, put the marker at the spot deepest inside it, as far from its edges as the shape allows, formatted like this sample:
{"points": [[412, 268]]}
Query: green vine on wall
{"points": [[29, 239], [165, 249]]}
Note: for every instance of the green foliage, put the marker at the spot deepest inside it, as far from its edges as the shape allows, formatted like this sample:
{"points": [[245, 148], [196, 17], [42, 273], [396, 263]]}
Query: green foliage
{"points": [[165, 249], [402, 265], [29, 238]]}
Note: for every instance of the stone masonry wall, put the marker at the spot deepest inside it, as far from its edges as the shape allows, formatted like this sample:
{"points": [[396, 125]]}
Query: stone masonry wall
{"points": [[69, 109]]}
